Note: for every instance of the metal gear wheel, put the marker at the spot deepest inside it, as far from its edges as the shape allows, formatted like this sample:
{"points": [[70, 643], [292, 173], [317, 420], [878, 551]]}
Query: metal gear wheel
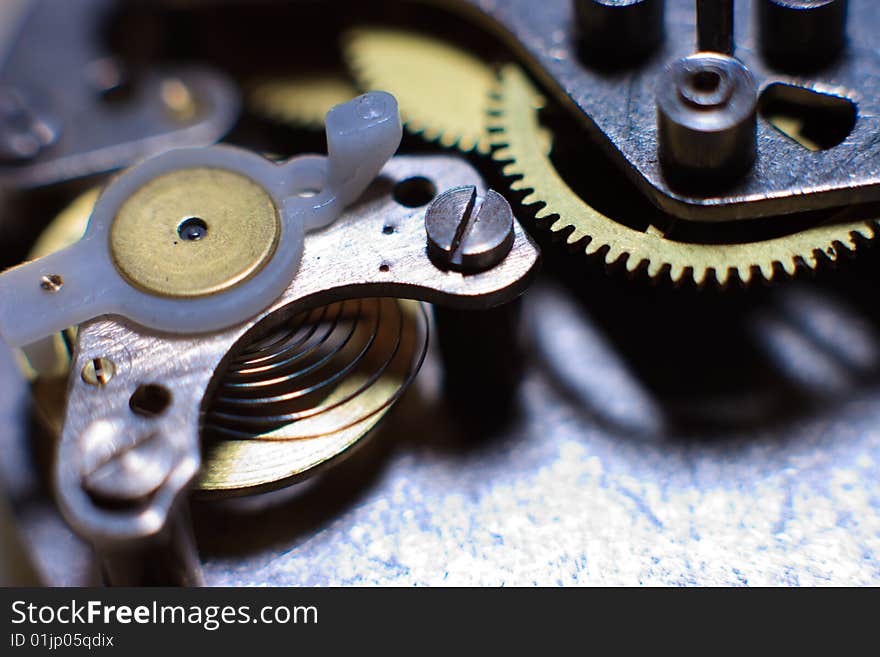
{"points": [[442, 90], [516, 131]]}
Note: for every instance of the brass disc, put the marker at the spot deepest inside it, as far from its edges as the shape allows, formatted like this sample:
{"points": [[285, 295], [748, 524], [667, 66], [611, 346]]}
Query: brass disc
{"points": [[194, 233]]}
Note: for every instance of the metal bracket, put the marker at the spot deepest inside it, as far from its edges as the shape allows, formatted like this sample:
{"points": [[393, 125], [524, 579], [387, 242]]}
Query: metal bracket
{"points": [[130, 445], [618, 103], [54, 123]]}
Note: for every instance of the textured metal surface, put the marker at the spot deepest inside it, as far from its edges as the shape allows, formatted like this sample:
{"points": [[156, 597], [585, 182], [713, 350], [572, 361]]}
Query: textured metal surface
{"points": [[58, 63], [620, 105]]}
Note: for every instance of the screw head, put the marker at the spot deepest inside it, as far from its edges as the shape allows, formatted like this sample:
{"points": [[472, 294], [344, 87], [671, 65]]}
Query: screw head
{"points": [[98, 371], [469, 233], [52, 283]]}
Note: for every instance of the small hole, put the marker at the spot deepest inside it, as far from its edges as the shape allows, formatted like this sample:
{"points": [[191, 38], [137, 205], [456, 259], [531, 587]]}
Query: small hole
{"points": [[192, 229], [150, 400], [815, 120], [414, 192], [388, 230], [384, 267], [706, 81]]}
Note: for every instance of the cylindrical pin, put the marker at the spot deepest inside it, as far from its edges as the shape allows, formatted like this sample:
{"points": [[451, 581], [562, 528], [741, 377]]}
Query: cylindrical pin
{"points": [[706, 121], [801, 35], [614, 32], [715, 26]]}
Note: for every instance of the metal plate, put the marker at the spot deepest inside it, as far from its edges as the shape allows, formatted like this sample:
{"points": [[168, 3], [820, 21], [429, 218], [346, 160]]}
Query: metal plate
{"points": [[620, 107]]}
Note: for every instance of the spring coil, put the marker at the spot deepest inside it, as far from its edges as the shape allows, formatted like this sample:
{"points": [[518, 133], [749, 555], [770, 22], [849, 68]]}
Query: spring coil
{"points": [[322, 371]]}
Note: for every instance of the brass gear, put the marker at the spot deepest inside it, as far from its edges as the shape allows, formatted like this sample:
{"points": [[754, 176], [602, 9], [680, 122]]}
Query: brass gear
{"points": [[515, 127], [443, 91], [300, 101]]}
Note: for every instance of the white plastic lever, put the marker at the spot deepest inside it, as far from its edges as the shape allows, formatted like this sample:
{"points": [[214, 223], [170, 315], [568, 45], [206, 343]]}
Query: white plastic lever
{"points": [[81, 282]]}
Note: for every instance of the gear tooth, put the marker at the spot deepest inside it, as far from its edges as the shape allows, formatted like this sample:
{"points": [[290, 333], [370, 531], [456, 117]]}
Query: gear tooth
{"points": [[790, 266], [502, 156], [557, 225], [655, 267], [614, 255], [702, 275], [676, 271], [724, 276], [574, 236], [544, 213], [687, 276], [593, 247], [633, 263], [531, 198], [811, 260], [767, 270]]}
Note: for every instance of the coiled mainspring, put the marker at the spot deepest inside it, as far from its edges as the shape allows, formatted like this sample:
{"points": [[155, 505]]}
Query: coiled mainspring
{"points": [[321, 372]]}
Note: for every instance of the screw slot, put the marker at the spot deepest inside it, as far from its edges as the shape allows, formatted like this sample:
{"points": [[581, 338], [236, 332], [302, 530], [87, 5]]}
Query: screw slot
{"points": [[98, 372], [192, 229], [415, 192], [52, 283], [150, 400]]}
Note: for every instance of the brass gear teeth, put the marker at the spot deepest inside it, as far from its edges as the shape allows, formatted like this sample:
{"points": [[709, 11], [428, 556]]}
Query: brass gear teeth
{"points": [[518, 148], [443, 91]]}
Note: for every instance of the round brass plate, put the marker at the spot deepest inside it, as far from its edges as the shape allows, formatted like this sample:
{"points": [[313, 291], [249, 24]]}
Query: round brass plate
{"points": [[239, 231]]}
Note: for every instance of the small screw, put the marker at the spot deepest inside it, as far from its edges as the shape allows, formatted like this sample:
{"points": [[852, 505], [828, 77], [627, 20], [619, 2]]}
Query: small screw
{"points": [[468, 233], [98, 371], [52, 283]]}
